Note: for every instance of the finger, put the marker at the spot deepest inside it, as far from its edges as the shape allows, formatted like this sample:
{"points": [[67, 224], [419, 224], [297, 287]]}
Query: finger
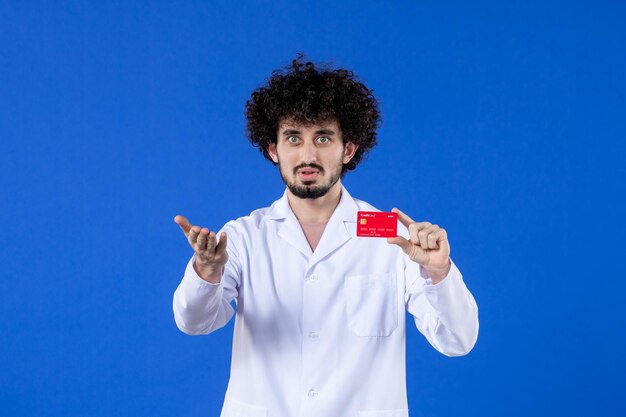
{"points": [[440, 237], [404, 219], [221, 246], [211, 242], [402, 242], [193, 235], [423, 236], [415, 229], [183, 223], [201, 243], [432, 235]]}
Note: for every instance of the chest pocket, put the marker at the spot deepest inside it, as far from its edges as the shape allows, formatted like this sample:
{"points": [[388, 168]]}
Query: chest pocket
{"points": [[371, 303]]}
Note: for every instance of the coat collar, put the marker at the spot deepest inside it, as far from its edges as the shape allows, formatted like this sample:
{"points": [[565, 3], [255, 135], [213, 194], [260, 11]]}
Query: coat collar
{"points": [[336, 233], [346, 209]]}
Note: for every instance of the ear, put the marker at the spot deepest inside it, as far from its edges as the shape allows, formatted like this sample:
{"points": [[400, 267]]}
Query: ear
{"points": [[349, 151], [271, 150]]}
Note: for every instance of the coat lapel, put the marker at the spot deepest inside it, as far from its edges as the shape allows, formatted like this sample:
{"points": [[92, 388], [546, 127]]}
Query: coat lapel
{"points": [[336, 233], [287, 226]]}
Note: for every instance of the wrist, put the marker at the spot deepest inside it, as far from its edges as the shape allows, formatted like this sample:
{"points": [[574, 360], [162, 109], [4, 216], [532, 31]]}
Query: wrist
{"points": [[208, 273], [438, 274]]}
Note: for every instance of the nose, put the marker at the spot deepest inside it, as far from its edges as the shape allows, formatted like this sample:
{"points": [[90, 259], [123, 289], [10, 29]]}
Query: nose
{"points": [[308, 153]]}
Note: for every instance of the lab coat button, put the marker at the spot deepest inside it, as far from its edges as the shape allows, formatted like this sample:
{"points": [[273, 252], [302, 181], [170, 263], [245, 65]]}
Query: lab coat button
{"points": [[314, 335], [312, 393], [313, 277]]}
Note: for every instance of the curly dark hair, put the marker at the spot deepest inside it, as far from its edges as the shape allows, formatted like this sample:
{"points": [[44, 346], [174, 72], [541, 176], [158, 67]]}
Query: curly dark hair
{"points": [[304, 94]]}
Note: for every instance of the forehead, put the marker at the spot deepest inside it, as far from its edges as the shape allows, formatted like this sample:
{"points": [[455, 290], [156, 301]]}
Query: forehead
{"points": [[304, 126]]}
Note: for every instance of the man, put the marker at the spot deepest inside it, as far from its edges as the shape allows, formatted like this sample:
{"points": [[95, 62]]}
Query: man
{"points": [[320, 320]]}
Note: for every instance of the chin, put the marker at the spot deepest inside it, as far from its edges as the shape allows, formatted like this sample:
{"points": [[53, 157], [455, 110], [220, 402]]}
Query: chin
{"points": [[308, 192]]}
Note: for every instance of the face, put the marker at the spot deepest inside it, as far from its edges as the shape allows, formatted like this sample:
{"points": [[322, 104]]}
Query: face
{"points": [[310, 157]]}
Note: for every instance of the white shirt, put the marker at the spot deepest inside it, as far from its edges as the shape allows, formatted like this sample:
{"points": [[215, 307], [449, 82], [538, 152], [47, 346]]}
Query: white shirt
{"points": [[321, 333]]}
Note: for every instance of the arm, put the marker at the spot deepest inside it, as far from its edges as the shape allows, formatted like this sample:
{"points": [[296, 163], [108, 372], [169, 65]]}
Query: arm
{"points": [[201, 307], [444, 310], [202, 300], [445, 313]]}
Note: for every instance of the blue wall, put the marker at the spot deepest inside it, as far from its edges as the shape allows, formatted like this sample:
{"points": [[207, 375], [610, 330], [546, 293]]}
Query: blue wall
{"points": [[504, 122]]}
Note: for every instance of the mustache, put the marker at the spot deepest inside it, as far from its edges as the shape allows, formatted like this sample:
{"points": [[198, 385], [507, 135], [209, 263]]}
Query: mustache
{"points": [[313, 165]]}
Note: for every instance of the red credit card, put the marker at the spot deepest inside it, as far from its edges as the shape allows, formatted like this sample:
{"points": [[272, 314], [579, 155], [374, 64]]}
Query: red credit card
{"points": [[376, 224]]}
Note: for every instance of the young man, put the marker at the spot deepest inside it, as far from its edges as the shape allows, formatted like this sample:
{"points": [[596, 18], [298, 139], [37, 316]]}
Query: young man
{"points": [[320, 320]]}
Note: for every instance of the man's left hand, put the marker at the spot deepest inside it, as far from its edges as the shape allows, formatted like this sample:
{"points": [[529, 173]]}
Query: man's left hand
{"points": [[427, 245]]}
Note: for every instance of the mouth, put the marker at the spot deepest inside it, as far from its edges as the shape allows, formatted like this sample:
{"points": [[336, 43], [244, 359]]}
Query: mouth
{"points": [[308, 174]]}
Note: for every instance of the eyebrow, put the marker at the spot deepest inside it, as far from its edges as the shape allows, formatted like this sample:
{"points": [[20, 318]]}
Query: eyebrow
{"points": [[317, 132]]}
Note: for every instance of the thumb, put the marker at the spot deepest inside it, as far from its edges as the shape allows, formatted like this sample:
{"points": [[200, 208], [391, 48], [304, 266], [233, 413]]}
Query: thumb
{"points": [[183, 223], [402, 242]]}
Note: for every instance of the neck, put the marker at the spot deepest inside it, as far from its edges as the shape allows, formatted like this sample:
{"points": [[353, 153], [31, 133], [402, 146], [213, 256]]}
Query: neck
{"points": [[315, 210]]}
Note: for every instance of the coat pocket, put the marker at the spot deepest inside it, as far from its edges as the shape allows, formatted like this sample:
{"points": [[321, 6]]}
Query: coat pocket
{"points": [[372, 304], [234, 408]]}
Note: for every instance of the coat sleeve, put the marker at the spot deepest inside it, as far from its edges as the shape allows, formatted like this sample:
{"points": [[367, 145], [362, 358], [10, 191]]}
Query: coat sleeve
{"points": [[201, 307], [445, 313]]}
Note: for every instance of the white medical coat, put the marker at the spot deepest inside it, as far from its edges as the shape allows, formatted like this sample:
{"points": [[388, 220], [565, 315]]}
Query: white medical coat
{"points": [[321, 333]]}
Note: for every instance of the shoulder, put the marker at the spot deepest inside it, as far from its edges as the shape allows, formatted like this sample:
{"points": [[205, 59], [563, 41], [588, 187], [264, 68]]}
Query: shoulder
{"points": [[364, 205], [248, 224]]}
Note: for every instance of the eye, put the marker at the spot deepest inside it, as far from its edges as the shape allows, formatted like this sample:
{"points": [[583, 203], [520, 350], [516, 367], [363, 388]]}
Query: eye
{"points": [[292, 139], [323, 139]]}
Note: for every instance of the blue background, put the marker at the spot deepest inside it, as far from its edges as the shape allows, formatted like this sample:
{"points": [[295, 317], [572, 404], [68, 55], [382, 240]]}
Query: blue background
{"points": [[504, 122]]}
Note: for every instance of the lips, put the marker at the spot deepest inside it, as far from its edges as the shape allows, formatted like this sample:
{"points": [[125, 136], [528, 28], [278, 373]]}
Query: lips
{"points": [[308, 171], [308, 174]]}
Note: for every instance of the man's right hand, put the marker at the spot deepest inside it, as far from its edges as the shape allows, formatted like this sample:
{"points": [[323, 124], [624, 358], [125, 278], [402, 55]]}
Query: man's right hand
{"points": [[211, 256]]}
